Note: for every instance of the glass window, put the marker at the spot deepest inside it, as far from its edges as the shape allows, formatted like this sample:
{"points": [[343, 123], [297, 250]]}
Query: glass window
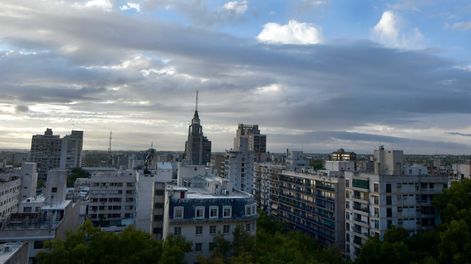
{"points": [[178, 212], [198, 230], [199, 212], [226, 229], [198, 246], [212, 229], [177, 230], [213, 212], [227, 211], [247, 227]]}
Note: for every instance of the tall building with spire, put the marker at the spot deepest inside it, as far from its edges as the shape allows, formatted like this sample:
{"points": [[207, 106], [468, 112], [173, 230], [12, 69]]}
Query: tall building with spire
{"points": [[197, 147]]}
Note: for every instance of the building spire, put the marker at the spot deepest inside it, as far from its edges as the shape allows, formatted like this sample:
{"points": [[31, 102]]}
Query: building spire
{"points": [[196, 108]]}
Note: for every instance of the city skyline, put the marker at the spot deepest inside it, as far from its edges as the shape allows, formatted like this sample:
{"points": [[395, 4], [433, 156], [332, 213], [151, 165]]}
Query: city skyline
{"points": [[314, 75]]}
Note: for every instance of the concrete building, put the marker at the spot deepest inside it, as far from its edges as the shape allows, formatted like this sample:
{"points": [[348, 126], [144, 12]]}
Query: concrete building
{"points": [[396, 195], [13, 253], [313, 203], [112, 196], [150, 198], [46, 152], [206, 206], [295, 160], [263, 175], [342, 155], [42, 218], [339, 165], [239, 166], [49, 151], [10, 187], [257, 143], [461, 171], [197, 146], [29, 179], [71, 150]]}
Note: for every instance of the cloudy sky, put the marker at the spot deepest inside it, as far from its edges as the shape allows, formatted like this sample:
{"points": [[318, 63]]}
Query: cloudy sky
{"points": [[314, 74]]}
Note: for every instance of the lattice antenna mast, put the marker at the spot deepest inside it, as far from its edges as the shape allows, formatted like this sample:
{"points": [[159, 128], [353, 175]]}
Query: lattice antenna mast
{"points": [[196, 108]]}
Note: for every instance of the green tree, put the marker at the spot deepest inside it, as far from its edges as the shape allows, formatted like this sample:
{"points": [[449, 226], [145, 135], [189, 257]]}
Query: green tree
{"points": [[74, 174], [90, 245]]}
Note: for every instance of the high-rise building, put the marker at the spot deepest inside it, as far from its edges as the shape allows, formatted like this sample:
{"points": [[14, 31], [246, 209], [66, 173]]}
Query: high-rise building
{"points": [[197, 147], [256, 141], [49, 151], [46, 152], [71, 150], [29, 180], [239, 166], [395, 195]]}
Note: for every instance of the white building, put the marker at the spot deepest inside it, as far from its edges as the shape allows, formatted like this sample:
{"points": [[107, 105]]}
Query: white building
{"points": [[71, 150], [295, 160], [344, 165], [239, 166], [150, 198], [112, 196], [461, 171], [401, 197], [205, 207], [42, 218], [9, 195], [29, 179]]}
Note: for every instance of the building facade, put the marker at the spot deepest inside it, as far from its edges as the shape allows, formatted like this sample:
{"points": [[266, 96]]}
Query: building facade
{"points": [[112, 196], [257, 143], [395, 195], [205, 207], [263, 175], [10, 187], [313, 203], [71, 150], [197, 146], [46, 152]]}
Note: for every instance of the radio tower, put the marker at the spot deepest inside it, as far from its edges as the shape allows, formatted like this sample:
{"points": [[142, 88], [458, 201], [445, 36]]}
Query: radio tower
{"points": [[110, 157]]}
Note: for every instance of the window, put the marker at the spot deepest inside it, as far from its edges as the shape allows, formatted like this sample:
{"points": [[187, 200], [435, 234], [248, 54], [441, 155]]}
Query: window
{"points": [[198, 246], [198, 230], [177, 230], [389, 212], [212, 229], [249, 210], [388, 200], [247, 227], [213, 212], [211, 246], [388, 188], [226, 229], [178, 212], [199, 212], [227, 211], [27, 209], [347, 183], [54, 189], [375, 200], [376, 187]]}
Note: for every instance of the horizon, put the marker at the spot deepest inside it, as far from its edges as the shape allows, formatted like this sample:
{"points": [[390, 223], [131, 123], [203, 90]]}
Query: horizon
{"points": [[314, 75]]}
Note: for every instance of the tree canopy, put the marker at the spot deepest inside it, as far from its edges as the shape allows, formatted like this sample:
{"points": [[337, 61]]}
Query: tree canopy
{"points": [[90, 245]]}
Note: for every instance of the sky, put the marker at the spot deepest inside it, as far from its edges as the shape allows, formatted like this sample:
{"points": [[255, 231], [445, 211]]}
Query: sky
{"points": [[315, 75]]}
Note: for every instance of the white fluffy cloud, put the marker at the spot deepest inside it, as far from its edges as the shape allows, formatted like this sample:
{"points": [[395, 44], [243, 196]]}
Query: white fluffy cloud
{"points": [[292, 33], [389, 31], [238, 7], [131, 5], [105, 5]]}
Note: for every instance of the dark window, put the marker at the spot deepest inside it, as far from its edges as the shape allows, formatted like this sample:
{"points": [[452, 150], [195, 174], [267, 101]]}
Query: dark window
{"points": [[389, 212], [388, 188], [388, 200], [54, 189]]}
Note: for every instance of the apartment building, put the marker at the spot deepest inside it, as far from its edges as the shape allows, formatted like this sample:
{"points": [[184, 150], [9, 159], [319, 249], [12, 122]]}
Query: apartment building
{"points": [[204, 207], [10, 187], [396, 195], [312, 203], [112, 196], [263, 174]]}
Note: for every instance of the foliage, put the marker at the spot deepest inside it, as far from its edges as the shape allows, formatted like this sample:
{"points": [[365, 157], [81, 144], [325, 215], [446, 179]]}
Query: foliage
{"points": [[74, 174], [274, 243], [90, 245]]}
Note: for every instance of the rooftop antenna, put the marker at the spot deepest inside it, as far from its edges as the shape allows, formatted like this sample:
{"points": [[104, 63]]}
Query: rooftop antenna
{"points": [[196, 108]]}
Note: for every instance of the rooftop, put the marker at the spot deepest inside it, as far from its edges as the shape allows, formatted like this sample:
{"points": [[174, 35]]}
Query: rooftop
{"points": [[8, 249]]}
